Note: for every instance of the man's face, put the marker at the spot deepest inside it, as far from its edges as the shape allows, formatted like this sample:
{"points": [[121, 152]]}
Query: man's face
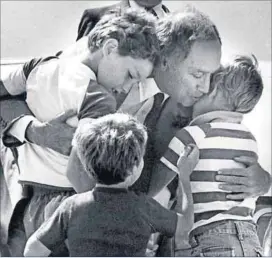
{"points": [[188, 80], [122, 72]]}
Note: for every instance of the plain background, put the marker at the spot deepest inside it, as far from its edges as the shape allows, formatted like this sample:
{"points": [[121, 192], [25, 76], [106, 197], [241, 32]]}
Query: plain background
{"points": [[40, 28]]}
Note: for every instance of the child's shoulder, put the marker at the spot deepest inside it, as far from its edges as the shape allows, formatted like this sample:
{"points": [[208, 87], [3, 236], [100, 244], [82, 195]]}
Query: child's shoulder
{"points": [[80, 199], [237, 130]]}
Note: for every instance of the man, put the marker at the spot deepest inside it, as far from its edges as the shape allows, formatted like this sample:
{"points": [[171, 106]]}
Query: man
{"points": [[91, 16], [188, 62]]}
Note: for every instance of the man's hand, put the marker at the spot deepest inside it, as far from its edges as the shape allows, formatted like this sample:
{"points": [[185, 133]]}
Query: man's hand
{"points": [[188, 160], [251, 181], [55, 134]]}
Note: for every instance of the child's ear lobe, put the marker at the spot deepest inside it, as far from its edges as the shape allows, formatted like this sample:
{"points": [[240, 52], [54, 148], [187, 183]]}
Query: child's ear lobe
{"points": [[110, 46]]}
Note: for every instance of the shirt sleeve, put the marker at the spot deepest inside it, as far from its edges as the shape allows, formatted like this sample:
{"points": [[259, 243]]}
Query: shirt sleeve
{"points": [[97, 102], [185, 136], [15, 80], [53, 232], [161, 219], [18, 129]]}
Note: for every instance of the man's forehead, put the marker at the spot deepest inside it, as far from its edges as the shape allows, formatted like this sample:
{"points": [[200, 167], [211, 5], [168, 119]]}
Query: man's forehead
{"points": [[204, 56]]}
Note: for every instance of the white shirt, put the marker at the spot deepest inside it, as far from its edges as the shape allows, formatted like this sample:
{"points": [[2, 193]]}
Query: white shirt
{"points": [[53, 88], [158, 8]]}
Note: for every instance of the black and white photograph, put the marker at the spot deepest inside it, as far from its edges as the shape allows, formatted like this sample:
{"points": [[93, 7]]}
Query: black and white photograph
{"points": [[135, 128]]}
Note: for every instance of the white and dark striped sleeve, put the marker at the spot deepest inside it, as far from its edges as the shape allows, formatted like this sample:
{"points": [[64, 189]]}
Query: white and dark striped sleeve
{"points": [[185, 136]]}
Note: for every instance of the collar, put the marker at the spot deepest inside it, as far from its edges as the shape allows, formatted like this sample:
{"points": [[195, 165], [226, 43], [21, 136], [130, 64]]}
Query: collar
{"points": [[148, 88], [110, 189], [218, 116], [158, 8]]}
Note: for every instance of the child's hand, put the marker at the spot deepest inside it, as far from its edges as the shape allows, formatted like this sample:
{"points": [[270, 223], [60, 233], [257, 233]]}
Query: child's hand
{"points": [[188, 159]]}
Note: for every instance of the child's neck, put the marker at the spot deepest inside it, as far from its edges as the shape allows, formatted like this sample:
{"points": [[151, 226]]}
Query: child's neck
{"points": [[118, 186], [91, 60]]}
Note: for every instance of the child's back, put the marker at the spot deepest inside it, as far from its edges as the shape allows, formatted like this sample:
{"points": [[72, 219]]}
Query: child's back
{"points": [[110, 222]]}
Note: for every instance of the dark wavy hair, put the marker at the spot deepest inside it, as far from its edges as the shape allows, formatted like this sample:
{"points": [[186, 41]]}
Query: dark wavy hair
{"points": [[134, 30]]}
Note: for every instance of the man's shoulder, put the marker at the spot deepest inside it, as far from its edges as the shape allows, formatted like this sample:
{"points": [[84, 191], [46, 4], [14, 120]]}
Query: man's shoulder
{"points": [[99, 11]]}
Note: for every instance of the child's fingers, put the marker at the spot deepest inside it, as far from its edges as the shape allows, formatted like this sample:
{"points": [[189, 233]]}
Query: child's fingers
{"points": [[194, 153], [186, 151]]}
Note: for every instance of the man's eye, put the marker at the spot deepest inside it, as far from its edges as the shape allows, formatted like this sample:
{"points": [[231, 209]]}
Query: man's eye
{"points": [[130, 76]]}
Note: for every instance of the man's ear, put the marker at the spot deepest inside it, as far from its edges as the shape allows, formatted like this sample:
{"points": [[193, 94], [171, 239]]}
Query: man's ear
{"points": [[110, 46]]}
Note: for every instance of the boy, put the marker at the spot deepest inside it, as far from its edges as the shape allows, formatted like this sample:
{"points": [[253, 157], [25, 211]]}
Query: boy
{"points": [[109, 220], [221, 227], [121, 51]]}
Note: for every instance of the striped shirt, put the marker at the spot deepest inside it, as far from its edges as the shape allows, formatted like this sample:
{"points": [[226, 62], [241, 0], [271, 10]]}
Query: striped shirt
{"points": [[220, 137]]}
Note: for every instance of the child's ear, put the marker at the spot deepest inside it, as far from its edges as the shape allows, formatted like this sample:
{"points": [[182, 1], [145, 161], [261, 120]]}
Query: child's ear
{"points": [[164, 63], [110, 46]]}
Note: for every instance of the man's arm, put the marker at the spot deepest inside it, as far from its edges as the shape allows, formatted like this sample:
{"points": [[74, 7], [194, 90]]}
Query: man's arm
{"points": [[97, 102], [55, 134], [14, 82], [12, 111], [251, 181]]}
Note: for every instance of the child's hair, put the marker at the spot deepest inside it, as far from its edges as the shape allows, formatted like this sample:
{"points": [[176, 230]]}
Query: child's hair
{"points": [[240, 83], [134, 30], [109, 147]]}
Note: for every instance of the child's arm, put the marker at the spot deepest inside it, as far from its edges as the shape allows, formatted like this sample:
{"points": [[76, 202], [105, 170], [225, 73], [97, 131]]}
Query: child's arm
{"points": [[180, 159], [13, 83], [166, 169], [97, 102], [185, 165], [51, 233]]}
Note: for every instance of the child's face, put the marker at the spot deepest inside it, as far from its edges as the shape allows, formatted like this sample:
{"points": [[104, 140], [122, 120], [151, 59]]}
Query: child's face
{"points": [[207, 103], [122, 72]]}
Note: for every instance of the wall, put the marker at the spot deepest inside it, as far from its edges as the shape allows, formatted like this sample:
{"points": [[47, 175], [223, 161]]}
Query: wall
{"points": [[34, 28]]}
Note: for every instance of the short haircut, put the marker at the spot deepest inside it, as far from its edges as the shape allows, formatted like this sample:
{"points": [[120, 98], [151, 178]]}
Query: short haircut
{"points": [[110, 146], [134, 30], [240, 83], [178, 31]]}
